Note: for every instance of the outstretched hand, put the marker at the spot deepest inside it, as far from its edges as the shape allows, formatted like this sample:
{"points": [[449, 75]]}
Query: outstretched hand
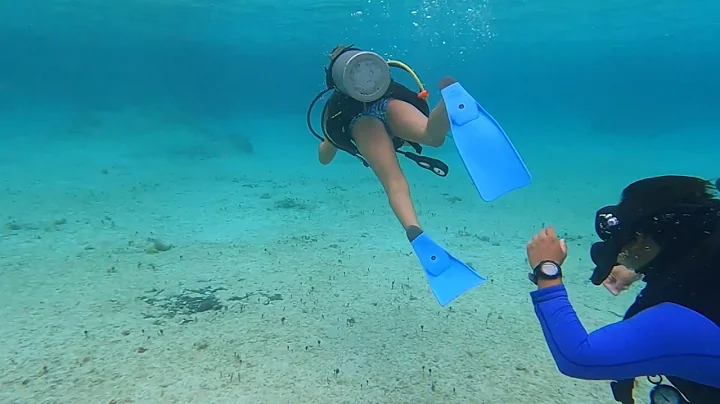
{"points": [[546, 246], [620, 279]]}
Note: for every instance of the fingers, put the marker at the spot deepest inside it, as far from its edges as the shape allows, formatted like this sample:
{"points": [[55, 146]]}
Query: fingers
{"points": [[611, 289], [545, 245], [546, 233]]}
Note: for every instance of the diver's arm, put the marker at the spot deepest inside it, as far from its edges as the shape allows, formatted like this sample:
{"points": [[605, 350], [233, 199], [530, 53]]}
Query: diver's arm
{"points": [[666, 339], [326, 152]]}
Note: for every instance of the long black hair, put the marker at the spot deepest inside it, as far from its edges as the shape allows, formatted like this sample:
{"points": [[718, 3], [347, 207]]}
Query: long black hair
{"points": [[688, 265], [691, 215]]}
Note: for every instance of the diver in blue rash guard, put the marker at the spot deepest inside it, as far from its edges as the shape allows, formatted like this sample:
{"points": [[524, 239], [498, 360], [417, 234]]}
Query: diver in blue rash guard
{"points": [[667, 230]]}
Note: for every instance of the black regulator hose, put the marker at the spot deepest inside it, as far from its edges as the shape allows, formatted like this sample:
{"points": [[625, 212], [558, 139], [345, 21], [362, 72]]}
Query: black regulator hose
{"points": [[309, 113]]}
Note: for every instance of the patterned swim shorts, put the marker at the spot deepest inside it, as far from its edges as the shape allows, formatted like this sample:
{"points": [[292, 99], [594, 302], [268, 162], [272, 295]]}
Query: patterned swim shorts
{"points": [[377, 109]]}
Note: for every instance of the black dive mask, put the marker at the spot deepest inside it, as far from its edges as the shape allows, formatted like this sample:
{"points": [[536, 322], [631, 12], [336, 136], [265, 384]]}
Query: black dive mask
{"points": [[617, 228], [614, 235]]}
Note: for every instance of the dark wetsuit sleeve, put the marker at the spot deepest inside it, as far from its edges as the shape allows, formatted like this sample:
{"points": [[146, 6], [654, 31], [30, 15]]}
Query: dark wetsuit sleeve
{"points": [[667, 339]]}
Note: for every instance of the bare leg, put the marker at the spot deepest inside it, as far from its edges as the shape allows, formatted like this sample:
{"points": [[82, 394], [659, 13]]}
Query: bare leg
{"points": [[374, 143], [410, 124]]}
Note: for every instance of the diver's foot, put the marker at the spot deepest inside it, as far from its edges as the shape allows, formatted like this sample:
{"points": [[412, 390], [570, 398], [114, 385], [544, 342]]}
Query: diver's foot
{"points": [[413, 232], [446, 81]]}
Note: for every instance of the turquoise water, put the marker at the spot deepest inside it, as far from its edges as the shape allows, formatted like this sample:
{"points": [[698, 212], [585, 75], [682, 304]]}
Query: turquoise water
{"points": [[130, 128]]}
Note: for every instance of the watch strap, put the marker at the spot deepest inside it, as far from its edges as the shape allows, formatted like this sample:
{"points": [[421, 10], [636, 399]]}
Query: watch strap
{"points": [[537, 272]]}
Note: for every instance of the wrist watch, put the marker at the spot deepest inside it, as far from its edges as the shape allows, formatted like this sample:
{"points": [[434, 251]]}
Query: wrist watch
{"points": [[545, 270]]}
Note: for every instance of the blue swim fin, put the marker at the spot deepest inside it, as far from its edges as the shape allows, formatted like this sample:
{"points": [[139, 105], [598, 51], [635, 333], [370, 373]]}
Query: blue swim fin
{"points": [[494, 165], [448, 276]]}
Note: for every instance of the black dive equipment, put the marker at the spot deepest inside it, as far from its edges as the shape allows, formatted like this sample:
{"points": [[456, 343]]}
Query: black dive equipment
{"points": [[356, 78], [665, 393]]}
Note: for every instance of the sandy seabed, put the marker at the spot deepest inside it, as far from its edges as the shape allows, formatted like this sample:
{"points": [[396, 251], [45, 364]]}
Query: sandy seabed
{"points": [[143, 270]]}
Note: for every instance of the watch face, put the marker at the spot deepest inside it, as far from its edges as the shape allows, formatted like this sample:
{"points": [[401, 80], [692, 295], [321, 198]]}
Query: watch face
{"points": [[549, 269], [664, 394]]}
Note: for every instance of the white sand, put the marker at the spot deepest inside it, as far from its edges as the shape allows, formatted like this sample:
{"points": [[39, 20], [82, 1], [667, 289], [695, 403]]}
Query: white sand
{"points": [[353, 297]]}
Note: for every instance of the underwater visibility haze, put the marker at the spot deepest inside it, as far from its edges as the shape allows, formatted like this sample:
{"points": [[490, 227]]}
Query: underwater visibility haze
{"points": [[169, 236]]}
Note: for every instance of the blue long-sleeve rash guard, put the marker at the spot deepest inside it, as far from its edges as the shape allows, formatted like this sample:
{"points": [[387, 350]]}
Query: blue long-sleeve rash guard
{"points": [[667, 339]]}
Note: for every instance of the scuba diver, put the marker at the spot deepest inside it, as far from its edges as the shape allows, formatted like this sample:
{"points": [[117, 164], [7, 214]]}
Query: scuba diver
{"points": [[667, 231], [371, 116]]}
